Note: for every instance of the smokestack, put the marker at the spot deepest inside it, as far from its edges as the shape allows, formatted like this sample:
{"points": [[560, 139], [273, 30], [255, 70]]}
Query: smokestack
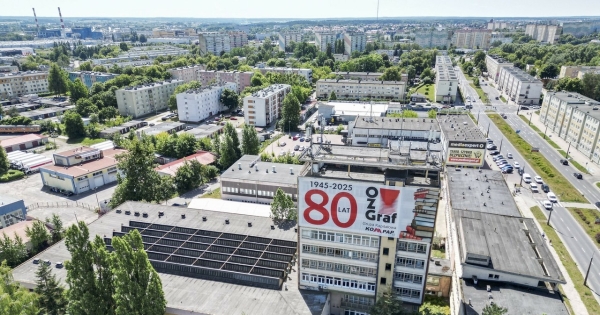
{"points": [[36, 21], [62, 24]]}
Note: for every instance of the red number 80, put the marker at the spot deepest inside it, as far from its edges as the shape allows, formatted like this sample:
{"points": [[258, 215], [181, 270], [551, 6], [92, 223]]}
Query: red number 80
{"points": [[320, 207]]}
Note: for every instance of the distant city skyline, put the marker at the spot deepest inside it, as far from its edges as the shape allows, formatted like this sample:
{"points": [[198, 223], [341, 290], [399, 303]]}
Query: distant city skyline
{"points": [[305, 9]]}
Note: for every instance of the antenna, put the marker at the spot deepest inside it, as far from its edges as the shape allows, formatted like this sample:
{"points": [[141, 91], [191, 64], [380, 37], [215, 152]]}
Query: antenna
{"points": [[378, 11], [36, 21]]}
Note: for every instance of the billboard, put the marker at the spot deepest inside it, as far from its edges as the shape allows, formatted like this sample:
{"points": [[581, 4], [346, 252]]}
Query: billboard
{"points": [[366, 208], [465, 153]]}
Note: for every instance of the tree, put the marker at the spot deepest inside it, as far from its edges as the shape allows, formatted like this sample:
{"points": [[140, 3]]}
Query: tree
{"points": [[432, 113], [548, 71], [85, 107], [332, 96], [78, 90], [57, 80], [38, 236], [85, 66], [290, 117], [138, 288], [185, 145], [189, 176], [391, 74], [227, 153], [411, 72], [494, 309], [387, 304], [12, 250], [107, 113], [230, 132], [230, 99], [282, 207], [73, 125], [250, 141], [15, 300], [57, 227], [216, 144], [143, 38], [123, 46], [51, 299], [97, 88], [4, 162]]}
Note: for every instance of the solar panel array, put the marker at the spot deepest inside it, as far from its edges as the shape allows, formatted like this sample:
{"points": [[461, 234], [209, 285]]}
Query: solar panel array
{"points": [[228, 257]]}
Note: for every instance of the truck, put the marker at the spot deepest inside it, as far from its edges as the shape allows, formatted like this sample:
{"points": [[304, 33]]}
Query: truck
{"points": [[34, 159], [35, 166]]}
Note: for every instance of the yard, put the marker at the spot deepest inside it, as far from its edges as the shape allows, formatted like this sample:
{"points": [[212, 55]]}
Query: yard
{"points": [[215, 194], [428, 90]]}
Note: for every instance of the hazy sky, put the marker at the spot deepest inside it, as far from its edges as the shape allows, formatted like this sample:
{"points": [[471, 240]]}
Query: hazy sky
{"points": [[299, 8]]}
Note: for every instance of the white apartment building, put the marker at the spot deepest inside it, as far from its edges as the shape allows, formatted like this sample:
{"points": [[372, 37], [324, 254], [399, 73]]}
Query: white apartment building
{"points": [[306, 73], [186, 74], [432, 38], [141, 100], [214, 43], [241, 79], [286, 38], [519, 86], [543, 33], [471, 39], [446, 80], [494, 25], [324, 39], [361, 90], [17, 84], [354, 41], [494, 64], [198, 104], [264, 107], [577, 71], [238, 39]]}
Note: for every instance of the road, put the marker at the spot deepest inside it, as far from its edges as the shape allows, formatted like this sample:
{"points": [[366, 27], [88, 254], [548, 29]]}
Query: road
{"points": [[579, 244]]}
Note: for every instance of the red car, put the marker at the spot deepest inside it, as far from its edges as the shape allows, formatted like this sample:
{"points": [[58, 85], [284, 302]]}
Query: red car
{"points": [[232, 118]]}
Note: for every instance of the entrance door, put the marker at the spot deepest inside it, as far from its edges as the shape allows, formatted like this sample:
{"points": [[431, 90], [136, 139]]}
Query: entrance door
{"points": [[98, 181], [83, 186]]}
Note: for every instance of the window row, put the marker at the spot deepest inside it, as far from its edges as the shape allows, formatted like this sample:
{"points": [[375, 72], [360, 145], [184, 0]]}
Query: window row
{"points": [[338, 252], [409, 293], [412, 247], [367, 241], [410, 262], [408, 277], [349, 269], [362, 300], [339, 282]]}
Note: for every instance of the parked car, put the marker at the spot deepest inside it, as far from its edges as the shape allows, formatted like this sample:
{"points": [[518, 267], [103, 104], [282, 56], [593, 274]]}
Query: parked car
{"points": [[507, 170], [517, 165], [545, 188], [494, 152], [552, 197], [496, 97], [282, 144], [302, 139], [534, 187], [526, 178], [232, 118], [524, 108], [504, 116], [189, 128], [547, 204], [509, 155], [564, 162], [151, 124], [538, 179], [492, 147], [295, 138], [598, 204], [578, 175], [296, 147]]}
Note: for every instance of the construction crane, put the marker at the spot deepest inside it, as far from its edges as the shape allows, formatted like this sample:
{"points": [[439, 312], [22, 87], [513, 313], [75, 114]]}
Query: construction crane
{"points": [[36, 21], [62, 24]]}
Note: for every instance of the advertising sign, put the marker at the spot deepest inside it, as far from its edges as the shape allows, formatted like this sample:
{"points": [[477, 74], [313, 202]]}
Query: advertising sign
{"points": [[465, 153], [360, 207]]}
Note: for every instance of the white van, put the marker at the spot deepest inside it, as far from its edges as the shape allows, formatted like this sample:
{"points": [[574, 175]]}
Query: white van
{"points": [[526, 178], [534, 187], [552, 197]]}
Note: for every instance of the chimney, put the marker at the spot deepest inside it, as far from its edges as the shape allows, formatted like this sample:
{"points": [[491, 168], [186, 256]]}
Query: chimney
{"points": [[274, 169], [291, 170], [239, 166]]}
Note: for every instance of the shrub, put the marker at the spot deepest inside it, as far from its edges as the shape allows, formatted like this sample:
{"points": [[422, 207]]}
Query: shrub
{"points": [[11, 175], [597, 237]]}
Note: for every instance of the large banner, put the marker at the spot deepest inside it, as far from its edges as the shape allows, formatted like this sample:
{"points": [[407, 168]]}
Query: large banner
{"points": [[465, 153], [360, 207]]}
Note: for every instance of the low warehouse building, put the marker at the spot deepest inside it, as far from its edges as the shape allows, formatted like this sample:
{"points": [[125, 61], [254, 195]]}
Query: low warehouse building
{"points": [[170, 169], [12, 210], [23, 142]]}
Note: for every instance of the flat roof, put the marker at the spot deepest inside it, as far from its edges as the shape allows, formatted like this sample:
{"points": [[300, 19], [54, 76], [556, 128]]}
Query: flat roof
{"points": [[440, 267], [79, 170], [573, 98], [164, 127], [203, 157], [21, 139], [126, 125], [6, 199], [514, 244], [205, 130], [517, 299], [460, 128], [350, 73], [268, 91], [79, 150], [42, 111], [248, 172], [397, 123], [228, 206], [470, 189], [191, 294], [354, 109]]}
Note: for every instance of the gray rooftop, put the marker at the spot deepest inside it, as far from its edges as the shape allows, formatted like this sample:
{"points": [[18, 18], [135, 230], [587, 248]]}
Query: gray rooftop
{"points": [[573, 98], [514, 244], [6, 199], [270, 90], [204, 130], [197, 295], [126, 125], [164, 127], [43, 111], [440, 267], [499, 59], [397, 123], [248, 172], [470, 189], [460, 128], [521, 75]]}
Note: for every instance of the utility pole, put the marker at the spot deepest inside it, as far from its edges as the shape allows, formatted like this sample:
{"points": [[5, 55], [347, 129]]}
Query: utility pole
{"points": [[500, 149], [588, 271], [545, 132], [568, 149], [488, 131], [549, 216], [530, 115], [521, 183]]}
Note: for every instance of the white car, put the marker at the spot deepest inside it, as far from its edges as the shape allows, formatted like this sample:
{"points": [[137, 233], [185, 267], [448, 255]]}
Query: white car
{"points": [[538, 180], [517, 165], [547, 204], [526, 178], [552, 197], [534, 187], [509, 155]]}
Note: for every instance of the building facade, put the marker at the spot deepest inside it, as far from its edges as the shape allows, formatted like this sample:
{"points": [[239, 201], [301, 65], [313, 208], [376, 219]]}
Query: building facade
{"points": [[214, 43], [186, 74], [324, 39], [519, 86], [354, 41], [198, 104], [432, 38], [361, 90], [145, 99], [286, 38], [89, 78], [238, 39], [543, 33], [264, 107], [12, 210], [472, 39], [446, 80], [577, 71], [494, 64], [306, 73], [379, 131], [581, 28], [23, 83], [358, 75], [241, 79]]}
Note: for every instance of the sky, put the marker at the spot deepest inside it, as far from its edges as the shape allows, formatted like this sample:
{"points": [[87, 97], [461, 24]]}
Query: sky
{"points": [[300, 8]]}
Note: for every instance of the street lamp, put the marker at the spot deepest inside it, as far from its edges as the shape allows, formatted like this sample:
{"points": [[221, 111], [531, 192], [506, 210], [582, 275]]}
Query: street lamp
{"points": [[545, 132], [588, 270], [568, 149], [530, 115]]}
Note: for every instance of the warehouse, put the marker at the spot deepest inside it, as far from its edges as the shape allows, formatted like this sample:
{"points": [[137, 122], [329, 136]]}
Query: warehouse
{"points": [[108, 133], [24, 142]]}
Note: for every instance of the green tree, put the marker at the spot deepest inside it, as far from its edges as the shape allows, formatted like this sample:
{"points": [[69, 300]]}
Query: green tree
{"points": [[391, 74], [97, 88], [57, 227], [227, 153], [432, 113], [12, 250], [332, 96], [107, 113], [138, 288], [230, 99], [15, 300], [123, 46], [230, 132], [282, 207], [216, 144], [143, 38], [51, 295], [100, 69], [186, 144], [250, 141], [73, 125], [189, 176], [548, 71], [85, 66], [85, 107], [78, 90], [290, 117], [4, 162], [387, 304], [38, 236], [57, 80], [494, 309]]}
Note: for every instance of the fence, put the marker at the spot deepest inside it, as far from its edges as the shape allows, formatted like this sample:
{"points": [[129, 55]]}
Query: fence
{"points": [[62, 204]]}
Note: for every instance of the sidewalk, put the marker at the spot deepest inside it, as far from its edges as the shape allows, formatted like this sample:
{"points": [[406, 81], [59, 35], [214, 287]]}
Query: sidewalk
{"points": [[574, 154]]}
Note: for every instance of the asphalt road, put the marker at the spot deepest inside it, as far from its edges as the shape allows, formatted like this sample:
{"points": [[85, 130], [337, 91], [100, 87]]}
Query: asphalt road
{"points": [[574, 237]]}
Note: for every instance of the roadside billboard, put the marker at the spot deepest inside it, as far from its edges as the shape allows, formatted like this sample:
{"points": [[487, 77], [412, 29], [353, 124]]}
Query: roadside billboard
{"points": [[361, 207], [465, 153]]}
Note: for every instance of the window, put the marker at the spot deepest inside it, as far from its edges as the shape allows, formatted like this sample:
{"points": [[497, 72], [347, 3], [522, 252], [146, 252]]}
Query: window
{"points": [[386, 251], [383, 281], [388, 266]]}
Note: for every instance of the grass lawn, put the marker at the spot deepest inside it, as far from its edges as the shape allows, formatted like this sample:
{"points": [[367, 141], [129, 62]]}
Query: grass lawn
{"points": [[430, 94], [215, 194], [266, 143], [540, 164], [85, 141], [587, 219], [576, 277], [438, 253], [502, 99], [473, 117], [479, 91], [598, 184]]}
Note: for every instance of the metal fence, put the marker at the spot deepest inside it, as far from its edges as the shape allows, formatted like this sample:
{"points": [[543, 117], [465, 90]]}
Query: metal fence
{"points": [[62, 204]]}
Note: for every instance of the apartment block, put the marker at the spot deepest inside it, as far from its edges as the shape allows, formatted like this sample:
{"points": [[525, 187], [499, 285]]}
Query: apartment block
{"points": [[241, 79], [198, 104], [214, 43], [23, 83], [324, 39], [494, 25], [574, 118], [359, 75], [141, 100], [306, 73], [186, 74], [519, 86], [238, 39], [89, 78], [471, 39], [361, 90], [286, 38], [446, 80], [432, 38], [264, 107], [543, 33], [354, 41], [494, 64], [577, 71]]}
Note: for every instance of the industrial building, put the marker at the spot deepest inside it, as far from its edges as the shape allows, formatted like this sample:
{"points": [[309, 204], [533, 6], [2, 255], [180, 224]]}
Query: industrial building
{"points": [[339, 112], [141, 100], [12, 210], [23, 142], [463, 142], [198, 104], [108, 133], [378, 131], [264, 107]]}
